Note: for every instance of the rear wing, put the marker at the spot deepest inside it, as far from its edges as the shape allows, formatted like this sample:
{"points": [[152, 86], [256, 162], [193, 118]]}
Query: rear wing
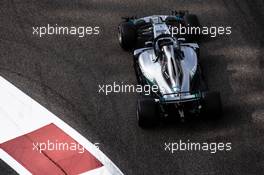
{"points": [[180, 97]]}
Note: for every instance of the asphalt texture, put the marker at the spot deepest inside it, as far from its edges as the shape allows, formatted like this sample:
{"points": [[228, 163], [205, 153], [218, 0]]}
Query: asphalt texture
{"points": [[63, 73]]}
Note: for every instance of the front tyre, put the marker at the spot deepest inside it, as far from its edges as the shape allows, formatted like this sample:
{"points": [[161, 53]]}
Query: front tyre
{"points": [[127, 35], [147, 112], [192, 21]]}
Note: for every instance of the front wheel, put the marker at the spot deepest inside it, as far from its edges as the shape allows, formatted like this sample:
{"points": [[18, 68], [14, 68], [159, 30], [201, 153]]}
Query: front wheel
{"points": [[191, 21], [127, 35]]}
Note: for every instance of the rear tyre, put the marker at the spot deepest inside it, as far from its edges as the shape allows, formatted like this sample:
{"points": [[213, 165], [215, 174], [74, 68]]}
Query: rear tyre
{"points": [[127, 35], [212, 106], [198, 83], [147, 112], [192, 21]]}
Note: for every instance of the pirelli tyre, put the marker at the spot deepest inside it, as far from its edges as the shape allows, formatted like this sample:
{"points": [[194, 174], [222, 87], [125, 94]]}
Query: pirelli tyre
{"points": [[127, 35], [147, 112], [192, 22], [212, 106], [172, 21]]}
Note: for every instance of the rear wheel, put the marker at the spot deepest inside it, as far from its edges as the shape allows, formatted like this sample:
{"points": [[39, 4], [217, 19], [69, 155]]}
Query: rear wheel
{"points": [[147, 112], [127, 35], [212, 106], [198, 83]]}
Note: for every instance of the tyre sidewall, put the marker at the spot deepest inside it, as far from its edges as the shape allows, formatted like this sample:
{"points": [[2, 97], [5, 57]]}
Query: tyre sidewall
{"points": [[212, 106], [127, 35], [147, 112]]}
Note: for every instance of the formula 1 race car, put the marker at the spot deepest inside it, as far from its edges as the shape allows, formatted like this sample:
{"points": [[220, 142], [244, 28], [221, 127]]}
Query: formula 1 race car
{"points": [[171, 63]]}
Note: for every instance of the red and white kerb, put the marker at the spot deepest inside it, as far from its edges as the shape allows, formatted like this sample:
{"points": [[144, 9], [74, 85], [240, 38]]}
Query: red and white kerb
{"points": [[25, 123]]}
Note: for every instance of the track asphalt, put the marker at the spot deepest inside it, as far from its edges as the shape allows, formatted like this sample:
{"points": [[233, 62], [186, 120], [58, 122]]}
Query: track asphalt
{"points": [[63, 73]]}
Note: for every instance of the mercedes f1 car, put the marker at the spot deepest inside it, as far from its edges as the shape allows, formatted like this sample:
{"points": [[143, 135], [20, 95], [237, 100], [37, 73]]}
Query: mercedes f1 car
{"points": [[170, 62]]}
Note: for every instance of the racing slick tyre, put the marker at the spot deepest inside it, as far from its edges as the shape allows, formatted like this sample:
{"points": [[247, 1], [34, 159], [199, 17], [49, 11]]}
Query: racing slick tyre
{"points": [[192, 21], [147, 112], [212, 106], [172, 21], [127, 35]]}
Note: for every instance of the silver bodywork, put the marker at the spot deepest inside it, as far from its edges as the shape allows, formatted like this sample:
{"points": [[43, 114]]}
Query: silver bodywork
{"points": [[172, 75]]}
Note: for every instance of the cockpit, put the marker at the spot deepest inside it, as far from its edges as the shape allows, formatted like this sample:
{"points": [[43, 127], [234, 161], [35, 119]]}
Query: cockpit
{"points": [[170, 43]]}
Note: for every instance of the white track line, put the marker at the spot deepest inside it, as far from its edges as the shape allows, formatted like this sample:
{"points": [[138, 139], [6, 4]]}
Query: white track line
{"points": [[20, 114]]}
